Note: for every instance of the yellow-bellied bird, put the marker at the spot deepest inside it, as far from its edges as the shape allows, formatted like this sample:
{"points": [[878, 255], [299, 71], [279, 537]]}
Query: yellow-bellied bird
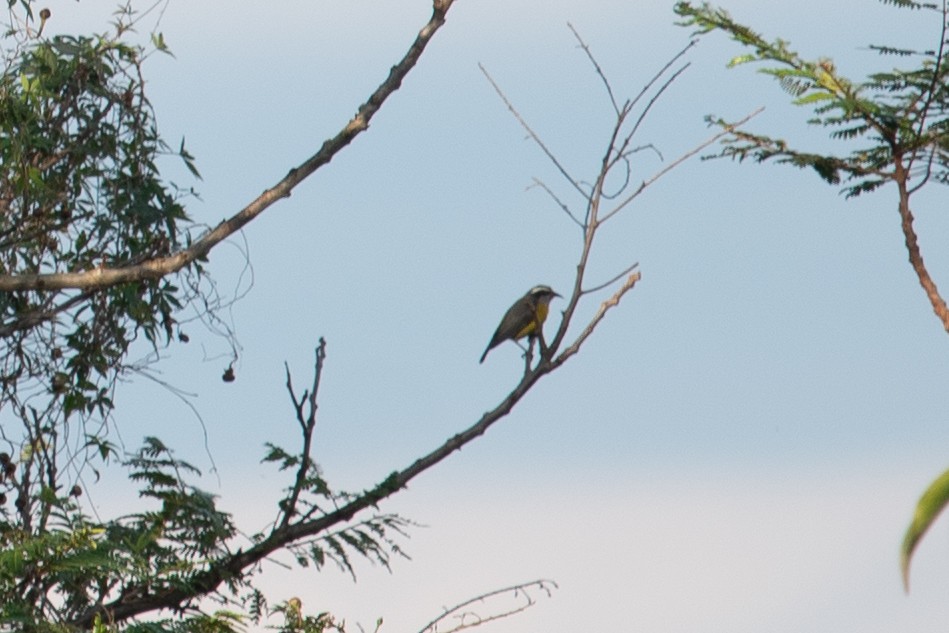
{"points": [[525, 318]]}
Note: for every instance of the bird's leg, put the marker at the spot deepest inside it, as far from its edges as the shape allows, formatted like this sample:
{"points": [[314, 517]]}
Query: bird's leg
{"points": [[529, 354]]}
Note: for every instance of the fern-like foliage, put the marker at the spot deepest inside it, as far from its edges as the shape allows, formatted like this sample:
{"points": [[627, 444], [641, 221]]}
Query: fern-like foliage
{"points": [[78, 561], [892, 116], [374, 539]]}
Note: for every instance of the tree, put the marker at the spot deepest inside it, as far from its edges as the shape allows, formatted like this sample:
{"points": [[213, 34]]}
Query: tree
{"points": [[895, 126], [97, 252]]}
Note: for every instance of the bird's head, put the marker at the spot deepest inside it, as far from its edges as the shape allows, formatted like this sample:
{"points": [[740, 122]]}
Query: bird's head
{"points": [[542, 294]]}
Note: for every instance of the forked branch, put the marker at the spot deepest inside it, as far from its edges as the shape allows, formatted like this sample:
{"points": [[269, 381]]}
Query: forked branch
{"points": [[305, 407], [627, 124]]}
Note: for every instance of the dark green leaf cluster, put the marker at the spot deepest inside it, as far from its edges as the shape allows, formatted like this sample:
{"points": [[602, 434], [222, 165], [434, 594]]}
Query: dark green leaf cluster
{"points": [[81, 197], [187, 517], [79, 189], [311, 497], [374, 539], [312, 482], [898, 117], [66, 564], [911, 4], [222, 621], [76, 562]]}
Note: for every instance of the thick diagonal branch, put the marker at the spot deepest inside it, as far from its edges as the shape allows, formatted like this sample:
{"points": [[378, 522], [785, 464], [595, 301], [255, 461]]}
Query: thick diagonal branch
{"points": [[236, 565], [161, 266]]}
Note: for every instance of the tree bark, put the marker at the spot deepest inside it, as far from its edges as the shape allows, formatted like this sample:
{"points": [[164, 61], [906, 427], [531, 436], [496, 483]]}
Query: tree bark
{"points": [[912, 246]]}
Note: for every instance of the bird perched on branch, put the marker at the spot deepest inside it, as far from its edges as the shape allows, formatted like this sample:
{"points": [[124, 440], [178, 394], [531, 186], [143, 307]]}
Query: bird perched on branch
{"points": [[525, 318]]}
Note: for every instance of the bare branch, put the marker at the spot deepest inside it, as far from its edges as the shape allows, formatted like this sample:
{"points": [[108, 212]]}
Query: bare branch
{"points": [[681, 159], [611, 158], [651, 103], [540, 183], [612, 302], [596, 66], [159, 267], [531, 133], [611, 281], [307, 421], [234, 565], [662, 71], [469, 619]]}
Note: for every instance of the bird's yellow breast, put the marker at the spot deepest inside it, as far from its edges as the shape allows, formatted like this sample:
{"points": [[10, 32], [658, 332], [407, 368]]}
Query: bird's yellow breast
{"points": [[540, 315], [542, 310]]}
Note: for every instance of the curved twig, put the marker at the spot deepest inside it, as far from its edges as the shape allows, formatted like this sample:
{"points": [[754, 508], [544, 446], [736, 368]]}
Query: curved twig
{"points": [[612, 280], [730, 129], [540, 183], [563, 170], [596, 67], [519, 591]]}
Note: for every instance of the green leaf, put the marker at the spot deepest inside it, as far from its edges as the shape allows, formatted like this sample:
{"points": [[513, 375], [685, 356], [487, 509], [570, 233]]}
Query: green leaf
{"points": [[930, 505], [158, 41], [66, 47], [814, 97], [188, 160], [741, 59]]}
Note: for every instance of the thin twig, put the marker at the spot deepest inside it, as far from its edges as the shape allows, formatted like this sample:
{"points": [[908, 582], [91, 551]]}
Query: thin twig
{"points": [[186, 398], [611, 281], [627, 175], [529, 131], [596, 66], [649, 105], [931, 91], [307, 423], [628, 169], [540, 183], [612, 302], [662, 71], [517, 590], [681, 159]]}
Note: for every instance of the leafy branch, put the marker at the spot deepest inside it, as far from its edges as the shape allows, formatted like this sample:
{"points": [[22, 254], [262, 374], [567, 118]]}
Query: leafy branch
{"points": [[896, 124]]}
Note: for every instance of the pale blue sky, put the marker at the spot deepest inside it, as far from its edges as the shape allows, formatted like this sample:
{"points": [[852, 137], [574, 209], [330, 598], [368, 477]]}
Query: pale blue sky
{"points": [[739, 446]]}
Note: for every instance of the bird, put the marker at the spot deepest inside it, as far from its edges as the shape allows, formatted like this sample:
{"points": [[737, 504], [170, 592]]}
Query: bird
{"points": [[525, 318]]}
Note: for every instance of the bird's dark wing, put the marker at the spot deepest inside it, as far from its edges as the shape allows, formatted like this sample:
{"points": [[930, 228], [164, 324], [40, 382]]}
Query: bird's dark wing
{"points": [[518, 317]]}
